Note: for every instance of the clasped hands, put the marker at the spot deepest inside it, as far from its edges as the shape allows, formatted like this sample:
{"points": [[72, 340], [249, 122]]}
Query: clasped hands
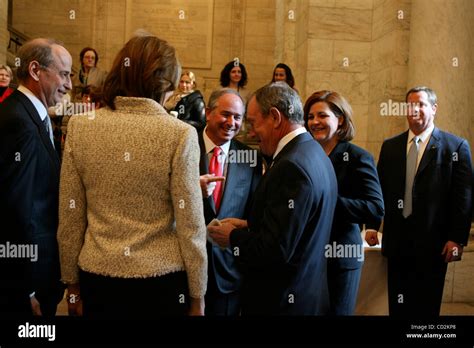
{"points": [[220, 234]]}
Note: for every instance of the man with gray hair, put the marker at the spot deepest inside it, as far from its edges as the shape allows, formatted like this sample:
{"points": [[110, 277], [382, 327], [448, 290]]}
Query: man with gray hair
{"points": [[223, 157], [280, 248], [29, 180]]}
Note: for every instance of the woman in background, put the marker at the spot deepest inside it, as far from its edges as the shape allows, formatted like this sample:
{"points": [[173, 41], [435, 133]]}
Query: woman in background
{"points": [[234, 75], [188, 102], [6, 76], [90, 78], [131, 236], [282, 72], [328, 116]]}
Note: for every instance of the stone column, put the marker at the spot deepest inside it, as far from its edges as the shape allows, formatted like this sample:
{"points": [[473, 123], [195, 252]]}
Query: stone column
{"points": [[4, 35], [442, 58]]}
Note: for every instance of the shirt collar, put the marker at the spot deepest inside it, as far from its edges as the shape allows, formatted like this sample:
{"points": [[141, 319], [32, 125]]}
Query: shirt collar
{"points": [[287, 138], [209, 144], [36, 102], [423, 135]]}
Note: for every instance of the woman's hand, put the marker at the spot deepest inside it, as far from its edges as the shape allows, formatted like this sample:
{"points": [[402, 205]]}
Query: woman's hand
{"points": [[197, 307]]}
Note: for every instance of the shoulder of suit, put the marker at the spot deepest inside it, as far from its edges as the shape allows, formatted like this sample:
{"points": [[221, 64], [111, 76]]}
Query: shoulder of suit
{"points": [[196, 95], [356, 151], [240, 145], [396, 138], [451, 138]]}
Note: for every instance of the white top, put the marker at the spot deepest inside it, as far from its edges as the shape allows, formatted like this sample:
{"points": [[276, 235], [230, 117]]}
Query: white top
{"points": [[209, 144], [424, 140]]}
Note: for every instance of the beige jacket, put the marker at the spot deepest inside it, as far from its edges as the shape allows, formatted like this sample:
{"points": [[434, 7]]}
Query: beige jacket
{"points": [[130, 201]]}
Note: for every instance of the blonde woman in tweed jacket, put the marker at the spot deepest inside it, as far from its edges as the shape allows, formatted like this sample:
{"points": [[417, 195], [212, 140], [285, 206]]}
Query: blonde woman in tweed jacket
{"points": [[131, 230]]}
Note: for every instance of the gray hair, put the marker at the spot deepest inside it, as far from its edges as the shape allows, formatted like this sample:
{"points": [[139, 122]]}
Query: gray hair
{"points": [[432, 98], [281, 96], [39, 50], [219, 93]]}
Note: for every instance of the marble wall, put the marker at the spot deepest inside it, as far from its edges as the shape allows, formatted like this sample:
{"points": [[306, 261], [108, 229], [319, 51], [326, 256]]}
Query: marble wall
{"points": [[371, 51], [240, 29], [388, 70], [442, 57], [4, 37]]}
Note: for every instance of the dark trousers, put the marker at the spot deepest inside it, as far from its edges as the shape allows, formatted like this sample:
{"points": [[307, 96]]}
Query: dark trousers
{"points": [[343, 287], [220, 304], [19, 305], [134, 298], [415, 277]]}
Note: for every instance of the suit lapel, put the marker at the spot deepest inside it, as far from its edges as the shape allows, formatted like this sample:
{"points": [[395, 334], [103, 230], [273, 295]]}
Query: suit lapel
{"points": [[231, 178], [398, 166], [337, 154], [430, 151], [35, 117]]}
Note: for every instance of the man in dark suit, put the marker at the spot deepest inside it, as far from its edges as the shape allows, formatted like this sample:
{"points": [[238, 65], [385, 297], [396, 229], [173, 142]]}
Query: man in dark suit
{"points": [[29, 182], [281, 248], [426, 178], [241, 167]]}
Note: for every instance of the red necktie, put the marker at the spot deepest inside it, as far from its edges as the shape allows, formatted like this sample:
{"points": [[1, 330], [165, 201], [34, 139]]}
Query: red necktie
{"points": [[216, 168]]}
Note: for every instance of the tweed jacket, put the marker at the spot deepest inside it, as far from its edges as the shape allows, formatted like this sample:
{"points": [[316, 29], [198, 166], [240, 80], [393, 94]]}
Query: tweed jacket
{"points": [[130, 200]]}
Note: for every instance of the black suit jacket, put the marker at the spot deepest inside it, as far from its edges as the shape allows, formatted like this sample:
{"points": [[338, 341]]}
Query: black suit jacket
{"points": [[241, 181], [442, 195], [359, 200], [281, 254], [191, 109], [29, 190]]}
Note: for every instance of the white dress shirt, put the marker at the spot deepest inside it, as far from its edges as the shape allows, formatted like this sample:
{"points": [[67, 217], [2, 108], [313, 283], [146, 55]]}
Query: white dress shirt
{"points": [[287, 138], [209, 145]]}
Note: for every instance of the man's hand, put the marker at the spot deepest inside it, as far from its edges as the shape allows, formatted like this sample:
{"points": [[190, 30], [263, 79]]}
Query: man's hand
{"points": [[452, 251], [208, 183], [237, 223], [371, 237], [35, 307], [220, 234]]}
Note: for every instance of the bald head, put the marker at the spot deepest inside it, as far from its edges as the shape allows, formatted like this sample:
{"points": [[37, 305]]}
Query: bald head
{"points": [[45, 69], [39, 50]]}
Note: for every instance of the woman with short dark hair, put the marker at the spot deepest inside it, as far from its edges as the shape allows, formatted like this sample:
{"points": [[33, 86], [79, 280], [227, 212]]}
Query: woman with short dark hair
{"points": [[282, 72], [328, 116], [90, 78], [234, 75]]}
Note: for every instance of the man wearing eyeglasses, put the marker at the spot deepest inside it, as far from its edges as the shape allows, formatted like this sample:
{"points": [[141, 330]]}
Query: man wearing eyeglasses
{"points": [[29, 183]]}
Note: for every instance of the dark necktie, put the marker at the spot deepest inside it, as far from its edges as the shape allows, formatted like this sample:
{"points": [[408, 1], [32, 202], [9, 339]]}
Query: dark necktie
{"points": [[46, 126]]}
